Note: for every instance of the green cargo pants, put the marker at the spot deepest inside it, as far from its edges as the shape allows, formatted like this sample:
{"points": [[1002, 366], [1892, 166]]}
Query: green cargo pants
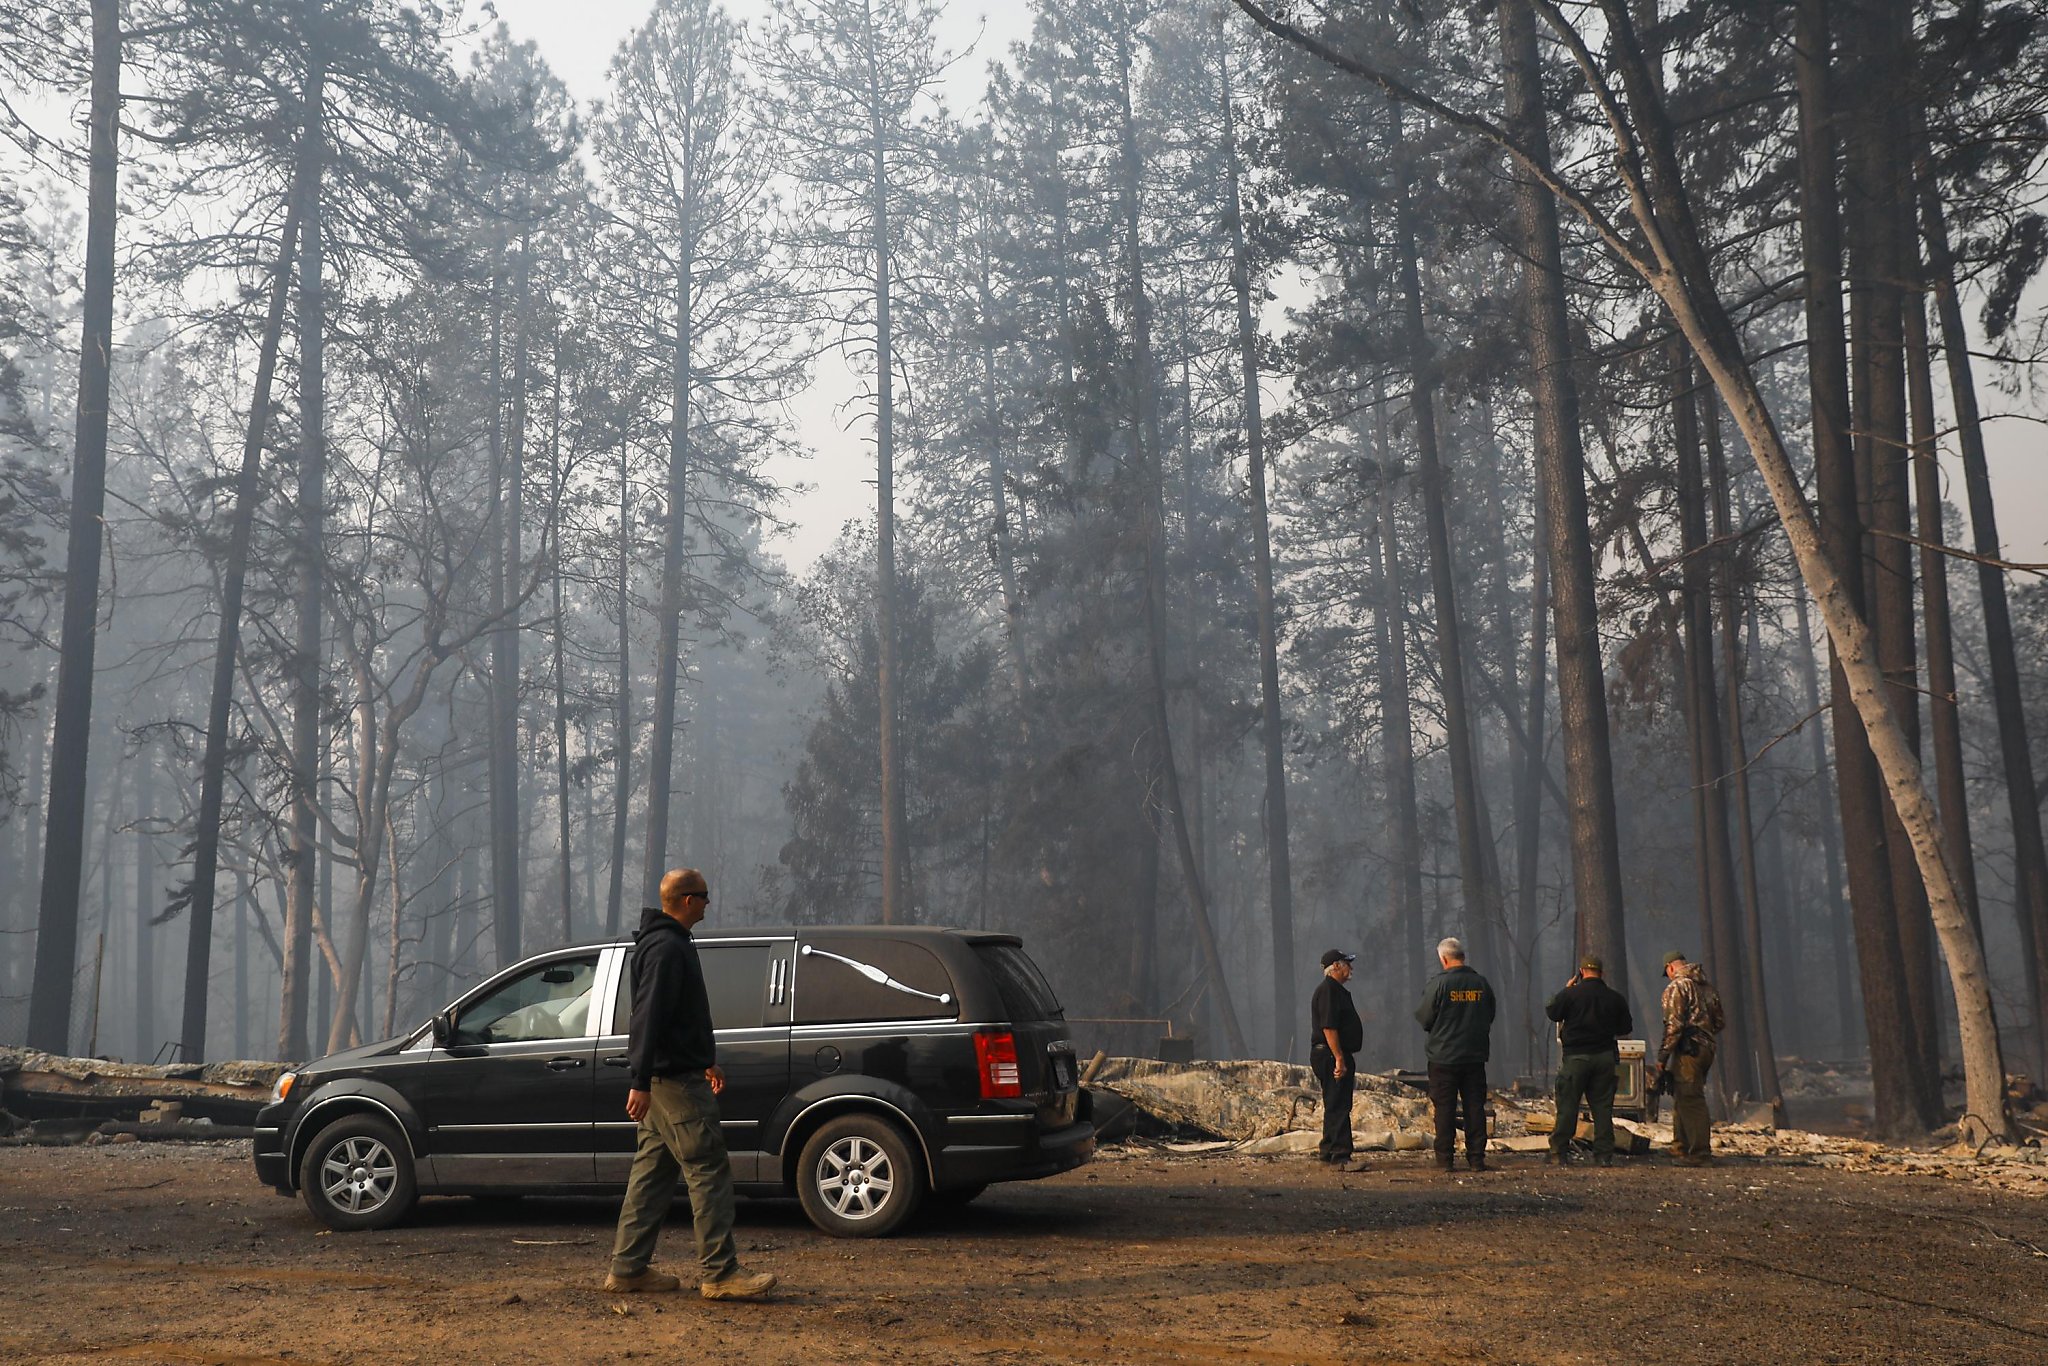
{"points": [[1691, 1130], [679, 1138], [1590, 1077]]}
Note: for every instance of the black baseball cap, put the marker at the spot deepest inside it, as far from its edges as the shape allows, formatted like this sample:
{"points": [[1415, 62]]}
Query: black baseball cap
{"points": [[1338, 956]]}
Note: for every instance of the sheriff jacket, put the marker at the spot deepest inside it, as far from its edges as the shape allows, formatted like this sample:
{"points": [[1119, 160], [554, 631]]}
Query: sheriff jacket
{"points": [[1458, 1010]]}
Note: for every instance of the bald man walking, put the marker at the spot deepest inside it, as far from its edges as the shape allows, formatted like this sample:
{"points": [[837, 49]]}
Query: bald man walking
{"points": [[674, 1100]]}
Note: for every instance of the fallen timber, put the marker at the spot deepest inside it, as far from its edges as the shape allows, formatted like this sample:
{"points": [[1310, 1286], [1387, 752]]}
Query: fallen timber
{"points": [[1273, 1110], [44, 1086]]}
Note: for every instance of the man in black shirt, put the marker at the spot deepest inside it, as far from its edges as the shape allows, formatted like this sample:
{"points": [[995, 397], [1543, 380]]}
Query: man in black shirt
{"points": [[676, 1081], [1333, 1021], [1590, 1017]]}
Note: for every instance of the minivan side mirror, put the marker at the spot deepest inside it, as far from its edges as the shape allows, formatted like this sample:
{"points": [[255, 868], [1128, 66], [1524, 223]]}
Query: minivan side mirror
{"points": [[443, 1028]]}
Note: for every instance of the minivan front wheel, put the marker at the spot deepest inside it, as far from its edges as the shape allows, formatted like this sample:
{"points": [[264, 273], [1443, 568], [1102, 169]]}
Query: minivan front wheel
{"points": [[857, 1177], [357, 1174]]}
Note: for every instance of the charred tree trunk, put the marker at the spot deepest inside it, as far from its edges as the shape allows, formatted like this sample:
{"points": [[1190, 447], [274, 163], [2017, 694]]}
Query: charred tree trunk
{"points": [[20, 967], [1727, 594], [324, 904], [2030, 854], [1512, 970], [1874, 204], [511, 836], [1561, 477], [561, 668], [228, 642], [1882, 967], [1791, 1023], [431, 983], [310, 556], [244, 908], [588, 802], [1396, 716], [502, 729], [1482, 901], [1002, 539], [1145, 444], [622, 739], [1944, 712], [1841, 948], [352, 935], [1529, 791], [1280, 886], [675, 550], [896, 893], [1720, 922], [49, 1016], [145, 909]]}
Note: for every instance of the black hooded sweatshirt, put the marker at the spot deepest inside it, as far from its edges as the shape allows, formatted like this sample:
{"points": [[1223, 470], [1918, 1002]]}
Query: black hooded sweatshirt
{"points": [[671, 1030]]}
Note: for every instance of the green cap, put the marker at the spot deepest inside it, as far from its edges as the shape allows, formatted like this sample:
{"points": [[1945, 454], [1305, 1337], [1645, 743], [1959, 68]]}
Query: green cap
{"points": [[1673, 957], [1591, 963]]}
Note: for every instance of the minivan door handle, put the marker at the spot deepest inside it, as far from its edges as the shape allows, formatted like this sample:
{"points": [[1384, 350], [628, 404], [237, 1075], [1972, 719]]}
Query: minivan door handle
{"points": [[563, 1064], [616, 1060]]}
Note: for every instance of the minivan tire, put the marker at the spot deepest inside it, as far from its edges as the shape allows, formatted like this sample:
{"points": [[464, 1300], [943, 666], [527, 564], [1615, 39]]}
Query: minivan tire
{"points": [[857, 1178], [357, 1174]]}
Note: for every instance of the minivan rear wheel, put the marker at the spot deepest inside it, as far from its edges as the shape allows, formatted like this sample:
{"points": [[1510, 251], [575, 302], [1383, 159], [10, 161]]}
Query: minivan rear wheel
{"points": [[357, 1174], [856, 1177]]}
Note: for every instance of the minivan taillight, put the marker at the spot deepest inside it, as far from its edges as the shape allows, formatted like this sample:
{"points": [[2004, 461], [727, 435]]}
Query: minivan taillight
{"points": [[995, 1057]]}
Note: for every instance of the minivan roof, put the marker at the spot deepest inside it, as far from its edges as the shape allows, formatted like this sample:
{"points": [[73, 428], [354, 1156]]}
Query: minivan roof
{"points": [[912, 933]]}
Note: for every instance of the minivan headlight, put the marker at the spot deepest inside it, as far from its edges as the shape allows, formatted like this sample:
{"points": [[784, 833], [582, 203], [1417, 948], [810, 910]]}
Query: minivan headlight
{"points": [[282, 1087]]}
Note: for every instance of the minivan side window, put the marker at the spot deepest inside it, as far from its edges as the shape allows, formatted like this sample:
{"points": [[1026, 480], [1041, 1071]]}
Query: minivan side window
{"points": [[845, 978], [735, 978], [552, 1001]]}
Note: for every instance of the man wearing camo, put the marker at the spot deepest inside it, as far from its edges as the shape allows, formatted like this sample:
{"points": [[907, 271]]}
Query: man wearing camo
{"points": [[1692, 1025]]}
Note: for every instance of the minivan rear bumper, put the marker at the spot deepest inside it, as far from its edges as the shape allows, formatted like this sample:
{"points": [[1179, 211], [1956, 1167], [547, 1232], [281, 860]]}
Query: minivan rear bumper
{"points": [[1032, 1154]]}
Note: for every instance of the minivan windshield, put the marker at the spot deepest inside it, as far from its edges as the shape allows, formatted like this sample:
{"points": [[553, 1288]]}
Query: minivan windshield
{"points": [[1025, 992]]}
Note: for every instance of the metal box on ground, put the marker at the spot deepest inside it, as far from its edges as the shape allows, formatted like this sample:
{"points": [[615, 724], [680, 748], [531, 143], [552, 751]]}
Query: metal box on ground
{"points": [[1632, 1098]]}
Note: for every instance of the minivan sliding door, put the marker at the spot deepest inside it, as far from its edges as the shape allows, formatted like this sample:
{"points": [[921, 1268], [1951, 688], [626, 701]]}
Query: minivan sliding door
{"points": [[748, 983]]}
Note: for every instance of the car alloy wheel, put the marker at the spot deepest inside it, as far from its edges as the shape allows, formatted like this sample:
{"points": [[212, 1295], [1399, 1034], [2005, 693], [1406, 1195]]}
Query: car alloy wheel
{"points": [[358, 1175], [856, 1177]]}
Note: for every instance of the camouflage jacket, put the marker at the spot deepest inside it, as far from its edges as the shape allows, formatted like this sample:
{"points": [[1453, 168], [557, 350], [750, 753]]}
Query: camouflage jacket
{"points": [[1690, 1001]]}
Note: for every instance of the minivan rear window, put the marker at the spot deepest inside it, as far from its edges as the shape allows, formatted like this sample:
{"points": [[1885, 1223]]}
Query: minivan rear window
{"points": [[1025, 992]]}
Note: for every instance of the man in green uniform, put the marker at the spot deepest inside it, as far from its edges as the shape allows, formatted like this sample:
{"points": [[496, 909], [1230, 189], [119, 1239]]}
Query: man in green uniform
{"points": [[1692, 1025], [1457, 1011], [1591, 1017], [676, 1081]]}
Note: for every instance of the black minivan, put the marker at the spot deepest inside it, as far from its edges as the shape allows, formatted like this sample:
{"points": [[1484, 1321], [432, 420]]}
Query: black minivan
{"points": [[867, 1068]]}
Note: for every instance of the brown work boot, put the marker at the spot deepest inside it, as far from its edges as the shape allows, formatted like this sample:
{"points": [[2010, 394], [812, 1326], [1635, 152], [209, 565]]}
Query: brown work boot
{"points": [[740, 1285], [1697, 1160], [646, 1280]]}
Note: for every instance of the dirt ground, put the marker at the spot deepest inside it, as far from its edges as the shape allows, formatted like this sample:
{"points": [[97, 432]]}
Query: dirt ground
{"points": [[173, 1254]]}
